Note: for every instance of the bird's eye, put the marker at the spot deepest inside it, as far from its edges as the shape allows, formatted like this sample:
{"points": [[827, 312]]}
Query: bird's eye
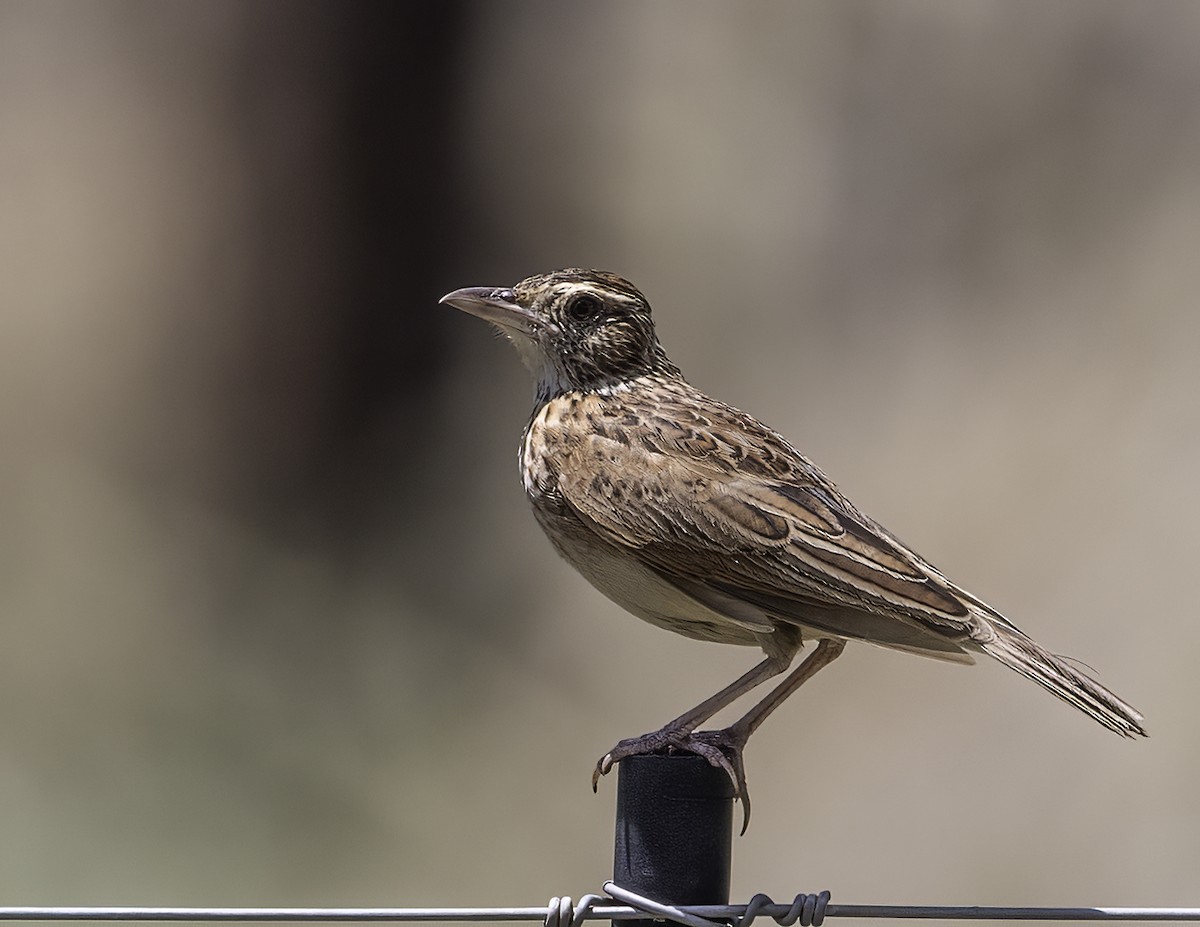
{"points": [[583, 308]]}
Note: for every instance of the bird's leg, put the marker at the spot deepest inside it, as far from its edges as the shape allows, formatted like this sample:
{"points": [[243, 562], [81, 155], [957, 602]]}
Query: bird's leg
{"points": [[828, 650], [728, 743], [678, 733]]}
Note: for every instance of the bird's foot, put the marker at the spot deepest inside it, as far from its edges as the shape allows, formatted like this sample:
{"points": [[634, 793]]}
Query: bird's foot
{"points": [[660, 741], [722, 749]]}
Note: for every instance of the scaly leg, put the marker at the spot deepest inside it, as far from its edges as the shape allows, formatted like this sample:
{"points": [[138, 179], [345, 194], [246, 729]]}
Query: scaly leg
{"points": [[728, 744], [678, 733]]}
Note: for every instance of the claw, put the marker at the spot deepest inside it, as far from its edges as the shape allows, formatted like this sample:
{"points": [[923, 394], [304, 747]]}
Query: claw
{"points": [[634, 746], [603, 767]]}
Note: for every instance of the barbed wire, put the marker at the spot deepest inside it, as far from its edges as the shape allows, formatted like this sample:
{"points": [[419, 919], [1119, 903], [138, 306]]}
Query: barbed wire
{"points": [[807, 910]]}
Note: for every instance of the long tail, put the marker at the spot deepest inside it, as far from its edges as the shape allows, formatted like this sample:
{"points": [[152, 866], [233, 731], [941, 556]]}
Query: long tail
{"points": [[1019, 652]]}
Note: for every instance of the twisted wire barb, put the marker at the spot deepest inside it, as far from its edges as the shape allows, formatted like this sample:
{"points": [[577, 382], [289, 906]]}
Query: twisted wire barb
{"points": [[561, 913], [808, 910]]}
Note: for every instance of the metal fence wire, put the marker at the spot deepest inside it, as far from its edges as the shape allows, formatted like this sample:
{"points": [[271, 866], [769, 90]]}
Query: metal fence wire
{"points": [[618, 904]]}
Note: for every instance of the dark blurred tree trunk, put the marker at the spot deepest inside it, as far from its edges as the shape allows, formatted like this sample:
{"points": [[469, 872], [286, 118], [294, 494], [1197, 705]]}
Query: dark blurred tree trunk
{"points": [[347, 120]]}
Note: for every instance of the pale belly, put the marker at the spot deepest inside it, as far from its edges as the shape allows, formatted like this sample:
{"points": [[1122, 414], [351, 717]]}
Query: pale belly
{"points": [[638, 589]]}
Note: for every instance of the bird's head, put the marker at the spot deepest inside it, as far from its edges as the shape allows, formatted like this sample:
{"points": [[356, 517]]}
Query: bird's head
{"points": [[584, 330]]}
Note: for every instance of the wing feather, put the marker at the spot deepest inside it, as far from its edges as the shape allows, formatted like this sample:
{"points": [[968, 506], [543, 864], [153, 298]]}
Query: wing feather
{"points": [[781, 539]]}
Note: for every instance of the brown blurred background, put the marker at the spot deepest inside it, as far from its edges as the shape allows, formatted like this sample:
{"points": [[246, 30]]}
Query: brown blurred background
{"points": [[277, 626]]}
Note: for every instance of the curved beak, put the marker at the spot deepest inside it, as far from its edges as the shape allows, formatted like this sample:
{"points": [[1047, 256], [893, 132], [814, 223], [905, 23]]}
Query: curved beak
{"points": [[497, 305]]}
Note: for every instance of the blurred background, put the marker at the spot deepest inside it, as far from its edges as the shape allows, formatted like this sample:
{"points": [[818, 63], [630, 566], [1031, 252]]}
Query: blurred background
{"points": [[278, 627]]}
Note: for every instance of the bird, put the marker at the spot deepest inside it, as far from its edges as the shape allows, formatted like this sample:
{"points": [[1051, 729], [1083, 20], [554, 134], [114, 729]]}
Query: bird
{"points": [[701, 520]]}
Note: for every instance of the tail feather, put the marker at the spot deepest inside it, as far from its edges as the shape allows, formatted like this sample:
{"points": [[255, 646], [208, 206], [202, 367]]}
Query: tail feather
{"points": [[1019, 652]]}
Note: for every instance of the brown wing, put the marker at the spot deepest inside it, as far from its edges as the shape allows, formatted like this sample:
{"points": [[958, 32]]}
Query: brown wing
{"points": [[727, 511]]}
